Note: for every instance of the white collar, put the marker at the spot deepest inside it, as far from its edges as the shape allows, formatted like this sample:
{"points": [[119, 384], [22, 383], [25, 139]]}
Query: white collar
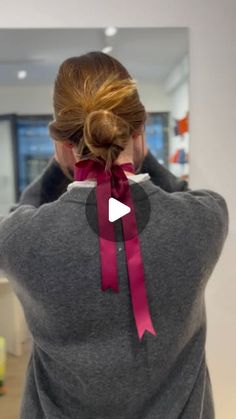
{"points": [[91, 183]]}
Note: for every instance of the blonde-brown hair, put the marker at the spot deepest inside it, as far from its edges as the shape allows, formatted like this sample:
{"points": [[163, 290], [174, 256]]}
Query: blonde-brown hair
{"points": [[96, 106]]}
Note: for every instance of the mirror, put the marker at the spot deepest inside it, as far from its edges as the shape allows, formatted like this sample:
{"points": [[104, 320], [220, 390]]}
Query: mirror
{"points": [[157, 58]]}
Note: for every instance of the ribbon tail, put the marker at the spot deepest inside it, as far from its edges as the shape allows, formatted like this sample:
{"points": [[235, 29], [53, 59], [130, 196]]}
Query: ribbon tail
{"points": [[147, 327], [108, 265], [109, 269], [136, 279], [138, 291]]}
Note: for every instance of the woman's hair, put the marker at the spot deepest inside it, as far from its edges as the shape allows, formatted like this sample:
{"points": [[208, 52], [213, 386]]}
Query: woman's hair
{"points": [[96, 106]]}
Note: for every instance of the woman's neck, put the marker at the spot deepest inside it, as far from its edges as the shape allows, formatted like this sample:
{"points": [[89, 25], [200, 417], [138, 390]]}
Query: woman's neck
{"points": [[124, 157]]}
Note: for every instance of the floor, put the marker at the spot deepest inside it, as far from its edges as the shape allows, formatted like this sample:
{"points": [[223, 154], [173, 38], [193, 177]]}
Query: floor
{"points": [[15, 372]]}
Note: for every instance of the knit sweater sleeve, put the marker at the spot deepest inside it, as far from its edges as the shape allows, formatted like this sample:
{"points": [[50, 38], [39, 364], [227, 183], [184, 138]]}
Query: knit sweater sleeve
{"points": [[205, 214], [47, 187]]}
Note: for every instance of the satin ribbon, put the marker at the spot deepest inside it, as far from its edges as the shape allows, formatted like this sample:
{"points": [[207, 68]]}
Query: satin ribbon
{"points": [[115, 183]]}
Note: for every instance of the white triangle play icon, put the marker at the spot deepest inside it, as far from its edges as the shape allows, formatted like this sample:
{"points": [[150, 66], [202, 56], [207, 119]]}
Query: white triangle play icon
{"points": [[116, 209]]}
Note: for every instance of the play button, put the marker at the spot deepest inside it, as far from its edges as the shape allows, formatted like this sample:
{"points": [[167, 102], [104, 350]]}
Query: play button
{"points": [[114, 211], [117, 210]]}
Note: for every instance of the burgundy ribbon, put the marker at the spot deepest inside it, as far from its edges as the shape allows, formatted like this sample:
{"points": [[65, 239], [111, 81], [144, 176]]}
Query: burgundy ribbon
{"points": [[115, 183]]}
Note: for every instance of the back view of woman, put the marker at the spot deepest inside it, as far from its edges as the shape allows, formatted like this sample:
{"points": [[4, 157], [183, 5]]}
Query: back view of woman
{"points": [[136, 350]]}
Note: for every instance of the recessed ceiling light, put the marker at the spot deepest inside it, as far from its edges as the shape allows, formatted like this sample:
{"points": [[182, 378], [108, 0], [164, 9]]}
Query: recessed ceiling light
{"points": [[110, 31], [22, 74], [107, 49]]}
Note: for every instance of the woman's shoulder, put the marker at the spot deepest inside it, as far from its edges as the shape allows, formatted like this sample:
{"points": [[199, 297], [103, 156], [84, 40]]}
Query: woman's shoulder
{"points": [[199, 216]]}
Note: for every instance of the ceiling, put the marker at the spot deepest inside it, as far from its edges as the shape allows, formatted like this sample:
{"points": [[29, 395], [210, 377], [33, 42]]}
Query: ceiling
{"points": [[149, 54]]}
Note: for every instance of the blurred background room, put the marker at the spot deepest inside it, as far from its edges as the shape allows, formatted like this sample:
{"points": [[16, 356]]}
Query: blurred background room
{"points": [[182, 55]]}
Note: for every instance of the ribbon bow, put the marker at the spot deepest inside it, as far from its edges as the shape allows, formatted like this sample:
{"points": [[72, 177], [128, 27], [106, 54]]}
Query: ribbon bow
{"points": [[114, 183]]}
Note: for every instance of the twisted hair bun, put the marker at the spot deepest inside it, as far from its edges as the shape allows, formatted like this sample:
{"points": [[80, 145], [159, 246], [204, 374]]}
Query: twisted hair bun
{"points": [[106, 135]]}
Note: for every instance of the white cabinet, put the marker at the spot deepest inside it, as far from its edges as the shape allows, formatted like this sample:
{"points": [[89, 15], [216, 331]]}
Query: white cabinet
{"points": [[12, 320]]}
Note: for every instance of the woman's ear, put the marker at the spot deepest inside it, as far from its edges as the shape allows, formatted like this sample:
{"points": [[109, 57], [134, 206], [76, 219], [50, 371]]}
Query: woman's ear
{"points": [[140, 131], [68, 144]]}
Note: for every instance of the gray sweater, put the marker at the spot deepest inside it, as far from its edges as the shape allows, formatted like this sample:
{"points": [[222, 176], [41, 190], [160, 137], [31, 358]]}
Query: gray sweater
{"points": [[87, 361]]}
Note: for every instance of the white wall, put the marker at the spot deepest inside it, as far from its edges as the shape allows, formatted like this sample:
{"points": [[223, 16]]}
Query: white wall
{"points": [[26, 100], [212, 124], [38, 99], [154, 97]]}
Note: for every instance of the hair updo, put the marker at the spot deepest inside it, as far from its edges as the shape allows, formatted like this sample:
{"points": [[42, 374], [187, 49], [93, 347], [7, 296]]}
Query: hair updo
{"points": [[96, 106]]}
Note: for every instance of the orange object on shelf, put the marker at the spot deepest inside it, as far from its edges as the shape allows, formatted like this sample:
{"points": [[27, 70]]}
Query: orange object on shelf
{"points": [[183, 125], [175, 157]]}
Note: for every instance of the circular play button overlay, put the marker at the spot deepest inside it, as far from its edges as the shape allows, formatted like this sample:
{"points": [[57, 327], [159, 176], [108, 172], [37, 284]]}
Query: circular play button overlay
{"points": [[114, 213], [116, 209]]}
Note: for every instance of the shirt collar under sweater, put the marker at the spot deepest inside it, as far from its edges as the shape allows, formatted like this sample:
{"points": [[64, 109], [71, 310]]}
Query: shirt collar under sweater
{"points": [[91, 183]]}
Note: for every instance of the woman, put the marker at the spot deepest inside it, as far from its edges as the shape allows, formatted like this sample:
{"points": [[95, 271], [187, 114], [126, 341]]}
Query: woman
{"points": [[136, 350]]}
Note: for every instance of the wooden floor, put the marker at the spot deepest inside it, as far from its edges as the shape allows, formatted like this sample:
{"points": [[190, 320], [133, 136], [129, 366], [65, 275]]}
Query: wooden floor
{"points": [[15, 372]]}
